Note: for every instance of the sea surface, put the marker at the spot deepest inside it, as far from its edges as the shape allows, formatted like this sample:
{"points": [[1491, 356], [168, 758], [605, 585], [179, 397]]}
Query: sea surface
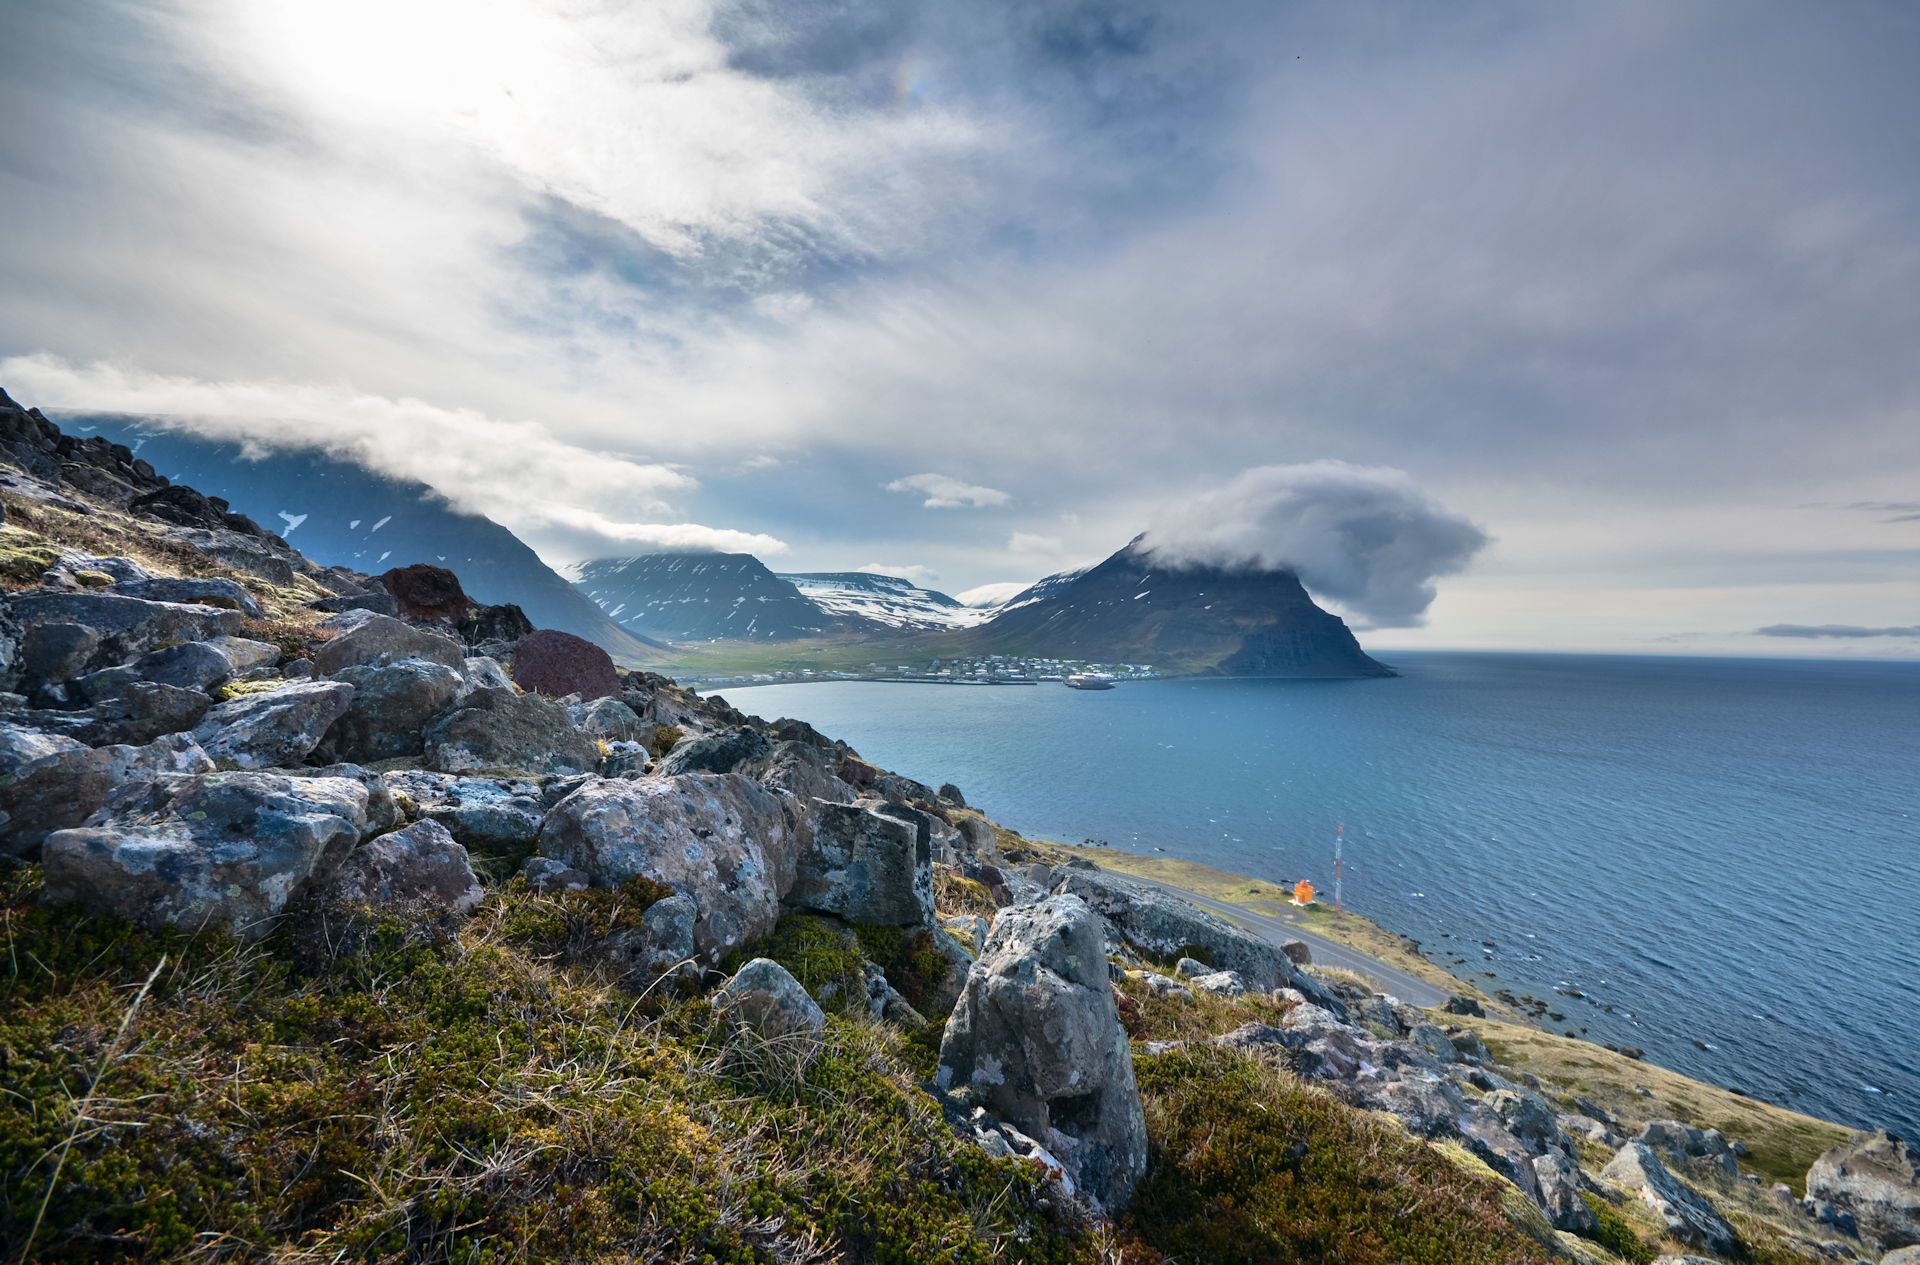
{"points": [[1726, 852]]}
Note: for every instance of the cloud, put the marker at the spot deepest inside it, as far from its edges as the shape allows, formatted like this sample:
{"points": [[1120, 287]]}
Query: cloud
{"points": [[945, 493], [1363, 536], [920, 575], [1840, 631], [984, 595], [518, 473], [1032, 542]]}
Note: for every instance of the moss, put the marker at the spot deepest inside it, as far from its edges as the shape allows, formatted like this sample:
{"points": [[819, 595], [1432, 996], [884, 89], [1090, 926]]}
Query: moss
{"points": [[912, 960], [663, 740], [22, 562], [1616, 1233], [420, 1088], [1247, 1164], [822, 954], [240, 689]]}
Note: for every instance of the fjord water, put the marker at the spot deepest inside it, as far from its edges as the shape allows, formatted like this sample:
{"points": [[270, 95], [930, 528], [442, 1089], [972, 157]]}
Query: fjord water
{"points": [[1723, 851]]}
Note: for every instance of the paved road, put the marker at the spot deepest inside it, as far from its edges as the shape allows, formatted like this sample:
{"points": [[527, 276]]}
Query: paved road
{"points": [[1410, 989]]}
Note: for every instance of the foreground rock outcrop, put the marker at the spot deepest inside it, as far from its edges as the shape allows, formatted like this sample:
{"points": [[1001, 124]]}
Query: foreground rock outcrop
{"points": [[1875, 1179]]}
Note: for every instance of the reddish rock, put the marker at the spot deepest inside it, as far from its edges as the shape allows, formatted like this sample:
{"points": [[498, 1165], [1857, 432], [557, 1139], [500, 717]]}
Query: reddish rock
{"points": [[555, 663], [427, 592], [857, 773]]}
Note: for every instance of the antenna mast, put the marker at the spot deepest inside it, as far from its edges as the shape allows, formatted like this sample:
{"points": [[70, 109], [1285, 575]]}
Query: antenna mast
{"points": [[1338, 831]]}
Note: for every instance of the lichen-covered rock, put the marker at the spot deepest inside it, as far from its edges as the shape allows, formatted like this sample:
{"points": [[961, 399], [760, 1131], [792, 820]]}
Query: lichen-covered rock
{"points": [[485, 673], [1682, 1141], [498, 729], [191, 665], [215, 849], [544, 874], [194, 591], [626, 759], [392, 704], [1876, 1177], [864, 867], [364, 637], [707, 836], [609, 718], [49, 782], [121, 627], [276, 727], [491, 816], [548, 661], [1689, 1217], [1037, 1041], [420, 863], [1220, 983], [762, 995], [245, 653], [724, 752]]}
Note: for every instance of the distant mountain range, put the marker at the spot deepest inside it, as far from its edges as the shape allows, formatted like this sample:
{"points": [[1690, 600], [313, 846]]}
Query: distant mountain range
{"points": [[703, 597], [341, 514], [887, 601]]}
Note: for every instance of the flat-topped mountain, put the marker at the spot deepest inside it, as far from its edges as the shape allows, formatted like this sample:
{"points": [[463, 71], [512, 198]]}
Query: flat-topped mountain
{"points": [[1133, 609], [701, 597], [886, 601]]}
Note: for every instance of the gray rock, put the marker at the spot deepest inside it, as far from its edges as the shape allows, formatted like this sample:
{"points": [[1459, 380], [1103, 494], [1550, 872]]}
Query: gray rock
{"points": [[243, 552], [123, 570], [299, 670], [1167, 988], [125, 626], [1297, 952], [1682, 1141], [1459, 1004], [383, 810], [625, 759], [1468, 1045], [192, 591], [376, 603], [420, 863], [1902, 1256], [143, 711], [1876, 1177], [1527, 1117], [214, 849], [1190, 967], [49, 782], [392, 704], [764, 997], [1158, 925], [804, 771], [1437, 1043], [498, 729], [1036, 1040], [1220, 983], [191, 665], [245, 653], [364, 637], [485, 673], [1689, 1217], [717, 753], [609, 718], [864, 867], [667, 936], [544, 874], [705, 835], [278, 727], [490, 816], [46, 655]]}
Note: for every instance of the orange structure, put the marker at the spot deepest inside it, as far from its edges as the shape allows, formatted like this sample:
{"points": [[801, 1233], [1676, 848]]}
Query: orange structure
{"points": [[1303, 893]]}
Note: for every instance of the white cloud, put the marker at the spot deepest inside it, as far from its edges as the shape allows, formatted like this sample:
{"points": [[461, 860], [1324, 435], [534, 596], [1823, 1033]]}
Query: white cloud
{"points": [[920, 575], [518, 473], [1363, 536], [945, 492], [1032, 542]]}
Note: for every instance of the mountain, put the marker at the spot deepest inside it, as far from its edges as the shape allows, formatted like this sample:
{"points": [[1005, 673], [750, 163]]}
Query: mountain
{"points": [[1040, 590], [1132, 609], [340, 513], [886, 601], [702, 597]]}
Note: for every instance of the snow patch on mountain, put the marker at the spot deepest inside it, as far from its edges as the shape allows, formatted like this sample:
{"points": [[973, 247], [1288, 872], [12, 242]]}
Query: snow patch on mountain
{"points": [[888, 600]]}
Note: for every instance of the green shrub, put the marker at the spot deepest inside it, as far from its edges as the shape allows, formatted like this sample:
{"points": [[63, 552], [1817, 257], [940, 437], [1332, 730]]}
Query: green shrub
{"points": [[1615, 1234], [663, 740]]}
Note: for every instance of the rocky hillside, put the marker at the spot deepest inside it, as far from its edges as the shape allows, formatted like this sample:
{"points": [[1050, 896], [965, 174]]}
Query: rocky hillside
{"points": [[701, 597], [341, 513], [359, 921], [1130, 609]]}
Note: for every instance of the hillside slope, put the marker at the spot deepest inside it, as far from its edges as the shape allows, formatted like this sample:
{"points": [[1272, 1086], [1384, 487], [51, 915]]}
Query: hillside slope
{"points": [[701, 597]]}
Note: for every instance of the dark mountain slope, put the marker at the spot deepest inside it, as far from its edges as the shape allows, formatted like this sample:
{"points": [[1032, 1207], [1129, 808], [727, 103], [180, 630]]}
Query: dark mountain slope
{"points": [[1129, 609], [340, 513], [703, 597]]}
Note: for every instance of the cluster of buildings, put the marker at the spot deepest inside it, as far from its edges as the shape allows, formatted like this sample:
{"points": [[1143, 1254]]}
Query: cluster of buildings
{"points": [[994, 669]]}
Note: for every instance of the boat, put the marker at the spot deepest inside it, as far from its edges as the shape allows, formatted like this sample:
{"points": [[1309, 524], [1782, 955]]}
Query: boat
{"points": [[1088, 681]]}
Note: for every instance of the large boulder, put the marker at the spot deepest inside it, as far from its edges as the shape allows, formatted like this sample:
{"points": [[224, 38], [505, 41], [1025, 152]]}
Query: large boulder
{"points": [[611, 719], [227, 849], [488, 815], [762, 995], [1163, 926], [556, 663], [802, 770], [724, 752], [197, 591], [707, 836], [1559, 1180], [121, 627], [498, 729], [1682, 1141], [190, 665], [415, 865], [275, 727], [1036, 1041], [392, 704], [48, 782], [363, 637], [1689, 1217], [428, 592], [864, 867], [1876, 1177]]}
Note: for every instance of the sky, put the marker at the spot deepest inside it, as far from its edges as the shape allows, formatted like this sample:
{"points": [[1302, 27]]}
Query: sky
{"points": [[1509, 325]]}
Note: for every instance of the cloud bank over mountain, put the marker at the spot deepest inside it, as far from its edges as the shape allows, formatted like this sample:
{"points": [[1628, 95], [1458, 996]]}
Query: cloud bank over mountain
{"points": [[1362, 536]]}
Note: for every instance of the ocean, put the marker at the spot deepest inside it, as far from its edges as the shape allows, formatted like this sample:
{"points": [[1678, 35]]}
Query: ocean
{"points": [[1726, 852]]}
